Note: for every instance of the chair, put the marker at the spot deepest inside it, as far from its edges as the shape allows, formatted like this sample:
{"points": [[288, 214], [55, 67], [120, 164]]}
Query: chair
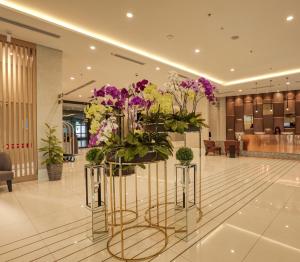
{"points": [[229, 143], [6, 173], [210, 147]]}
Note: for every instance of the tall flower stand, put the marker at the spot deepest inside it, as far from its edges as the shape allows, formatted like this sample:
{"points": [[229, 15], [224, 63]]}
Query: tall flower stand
{"points": [[198, 174], [185, 200], [128, 242], [130, 213], [154, 208], [96, 200]]}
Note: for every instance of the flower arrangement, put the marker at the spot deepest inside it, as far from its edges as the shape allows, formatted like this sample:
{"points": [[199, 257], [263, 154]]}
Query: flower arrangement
{"points": [[170, 104], [188, 90]]}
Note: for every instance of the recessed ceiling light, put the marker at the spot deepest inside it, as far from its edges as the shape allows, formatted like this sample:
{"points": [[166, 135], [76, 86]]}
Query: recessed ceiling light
{"points": [[157, 68], [290, 18], [235, 37], [232, 69], [72, 78], [79, 96], [170, 36], [92, 47], [232, 251], [89, 68], [95, 35], [240, 90], [197, 51], [288, 83], [129, 15], [92, 90]]}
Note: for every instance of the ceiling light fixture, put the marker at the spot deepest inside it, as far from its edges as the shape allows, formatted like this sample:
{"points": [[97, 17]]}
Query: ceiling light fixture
{"points": [[157, 68], [103, 38], [79, 96], [288, 83], [129, 15], [290, 18], [92, 47], [197, 51], [72, 78], [240, 90], [232, 69], [89, 68]]}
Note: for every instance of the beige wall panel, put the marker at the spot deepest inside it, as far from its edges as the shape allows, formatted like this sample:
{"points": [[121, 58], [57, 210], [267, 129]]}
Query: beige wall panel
{"points": [[49, 86]]}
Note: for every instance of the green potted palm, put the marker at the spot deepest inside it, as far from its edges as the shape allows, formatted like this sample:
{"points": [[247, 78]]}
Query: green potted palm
{"points": [[53, 153], [184, 155]]}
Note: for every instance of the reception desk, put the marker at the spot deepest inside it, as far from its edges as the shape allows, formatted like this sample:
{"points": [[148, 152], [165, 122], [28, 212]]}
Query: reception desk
{"points": [[272, 143]]}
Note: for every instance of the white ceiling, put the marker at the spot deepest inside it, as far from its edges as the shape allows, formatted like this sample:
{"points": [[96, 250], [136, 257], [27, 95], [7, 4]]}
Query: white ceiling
{"points": [[260, 25]]}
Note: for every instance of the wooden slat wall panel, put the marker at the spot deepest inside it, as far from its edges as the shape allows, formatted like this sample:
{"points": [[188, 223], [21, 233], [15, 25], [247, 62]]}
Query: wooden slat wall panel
{"points": [[18, 106]]}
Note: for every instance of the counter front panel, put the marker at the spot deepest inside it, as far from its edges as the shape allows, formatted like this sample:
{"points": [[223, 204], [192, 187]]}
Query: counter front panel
{"points": [[272, 143]]}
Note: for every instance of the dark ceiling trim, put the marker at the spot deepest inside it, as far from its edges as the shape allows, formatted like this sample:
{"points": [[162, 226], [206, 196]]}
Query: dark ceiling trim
{"points": [[75, 102], [35, 29], [79, 87], [128, 59]]}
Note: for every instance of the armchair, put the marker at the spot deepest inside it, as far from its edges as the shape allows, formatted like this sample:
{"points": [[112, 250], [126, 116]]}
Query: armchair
{"points": [[210, 147], [6, 173]]}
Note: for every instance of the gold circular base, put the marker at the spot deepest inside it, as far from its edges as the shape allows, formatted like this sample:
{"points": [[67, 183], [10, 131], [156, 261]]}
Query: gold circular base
{"points": [[155, 224], [125, 222], [123, 258]]}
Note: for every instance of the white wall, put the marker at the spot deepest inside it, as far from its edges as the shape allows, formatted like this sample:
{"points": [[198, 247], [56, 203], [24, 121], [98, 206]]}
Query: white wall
{"points": [[49, 86]]}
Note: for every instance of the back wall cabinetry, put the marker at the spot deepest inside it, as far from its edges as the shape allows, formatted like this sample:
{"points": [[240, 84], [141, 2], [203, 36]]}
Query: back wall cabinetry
{"points": [[261, 113]]}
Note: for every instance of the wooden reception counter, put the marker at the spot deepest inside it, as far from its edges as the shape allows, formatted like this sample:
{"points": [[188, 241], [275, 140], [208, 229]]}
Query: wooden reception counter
{"points": [[284, 143]]}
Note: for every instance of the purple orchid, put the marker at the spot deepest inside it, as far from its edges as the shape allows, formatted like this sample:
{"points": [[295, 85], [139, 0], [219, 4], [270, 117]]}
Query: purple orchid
{"points": [[100, 92], [93, 140], [112, 91]]}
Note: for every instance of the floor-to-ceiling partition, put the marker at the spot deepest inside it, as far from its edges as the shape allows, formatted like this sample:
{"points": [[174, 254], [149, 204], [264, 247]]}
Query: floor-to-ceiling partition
{"points": [[18, 106]]}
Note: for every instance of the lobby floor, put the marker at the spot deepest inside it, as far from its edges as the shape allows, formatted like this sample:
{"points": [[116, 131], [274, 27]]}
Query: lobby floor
{"points": [[251, 212]]}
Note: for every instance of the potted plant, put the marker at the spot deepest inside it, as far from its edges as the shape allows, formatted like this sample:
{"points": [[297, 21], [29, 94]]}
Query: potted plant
{"points": [[53, 153], [184, 155], [95, 156]]}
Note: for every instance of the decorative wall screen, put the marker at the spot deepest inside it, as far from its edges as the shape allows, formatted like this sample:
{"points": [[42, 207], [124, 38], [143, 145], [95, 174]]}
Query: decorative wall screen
{"points": [[18, 106]]}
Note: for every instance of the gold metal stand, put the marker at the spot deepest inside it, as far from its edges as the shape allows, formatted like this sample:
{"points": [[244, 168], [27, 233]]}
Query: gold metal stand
{"points": [[129, 214], [155, 220], [119, 231]]}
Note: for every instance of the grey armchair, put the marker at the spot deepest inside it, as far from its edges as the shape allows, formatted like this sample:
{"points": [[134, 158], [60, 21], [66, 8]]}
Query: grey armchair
{"points": [[6, 173]]}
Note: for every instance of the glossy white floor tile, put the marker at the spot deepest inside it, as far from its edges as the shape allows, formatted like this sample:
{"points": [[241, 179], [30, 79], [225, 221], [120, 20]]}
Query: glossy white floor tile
{"points": [[251, 212]]}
